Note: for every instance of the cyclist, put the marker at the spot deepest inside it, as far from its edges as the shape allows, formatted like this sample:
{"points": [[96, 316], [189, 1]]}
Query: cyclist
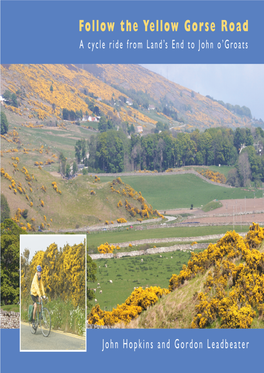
{"points": [[36, 291]]}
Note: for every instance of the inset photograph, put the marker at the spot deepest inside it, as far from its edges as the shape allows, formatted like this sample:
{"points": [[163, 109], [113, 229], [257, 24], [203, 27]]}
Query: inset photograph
{"points": [[53, 292]]}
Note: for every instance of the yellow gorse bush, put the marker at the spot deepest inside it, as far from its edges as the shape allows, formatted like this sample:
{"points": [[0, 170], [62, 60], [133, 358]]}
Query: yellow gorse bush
{"points": [[139, 300], [213, 176], [106, 248], [63, 272], [234, 308]]}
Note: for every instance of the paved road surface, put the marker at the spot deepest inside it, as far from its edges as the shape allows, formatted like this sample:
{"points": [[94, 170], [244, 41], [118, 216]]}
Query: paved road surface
{"points": [[55, 341]]}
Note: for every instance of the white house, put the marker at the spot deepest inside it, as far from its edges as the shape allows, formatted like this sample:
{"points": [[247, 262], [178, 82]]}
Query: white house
{"points": [[2, 100], [93, 119]]}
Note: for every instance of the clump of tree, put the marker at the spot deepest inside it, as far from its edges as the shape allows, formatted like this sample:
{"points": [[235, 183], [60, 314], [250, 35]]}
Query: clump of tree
{"points": [[92, 107], [107, 153], [4, 123], [239, 110], [10, 241], [161, 127], [163, 150], [5, 210], [11, 98], [71, 114], [105, 124]]}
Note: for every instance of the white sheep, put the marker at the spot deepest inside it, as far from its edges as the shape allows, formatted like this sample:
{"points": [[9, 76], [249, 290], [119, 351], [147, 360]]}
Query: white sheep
{"points": [[160, 256], [100, 291], [94, 290], [105, 265], [95, 300], [98, 283], [141, 260], [110, 281]]}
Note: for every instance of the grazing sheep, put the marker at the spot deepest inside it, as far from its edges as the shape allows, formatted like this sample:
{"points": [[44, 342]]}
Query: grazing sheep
{"points": [[94, 290], [98, 283], [100, 291], [141, 260], [105, 265], [160, 256], [110, 281], [95, 300]]}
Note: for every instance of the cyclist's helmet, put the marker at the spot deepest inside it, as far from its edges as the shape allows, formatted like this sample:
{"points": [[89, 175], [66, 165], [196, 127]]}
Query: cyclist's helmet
{"points": [[39, 269]]}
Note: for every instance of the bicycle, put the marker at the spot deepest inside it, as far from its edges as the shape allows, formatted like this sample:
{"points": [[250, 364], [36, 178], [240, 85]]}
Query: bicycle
{"points": [[43, 320]]}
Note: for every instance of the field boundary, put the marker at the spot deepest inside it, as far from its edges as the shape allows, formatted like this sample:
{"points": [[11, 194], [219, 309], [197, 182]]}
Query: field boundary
{"points": [[160, 173], [153, 250], [174, 239]]}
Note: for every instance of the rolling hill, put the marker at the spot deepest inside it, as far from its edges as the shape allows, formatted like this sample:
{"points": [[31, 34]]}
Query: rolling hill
{"points": [[45, 90]]}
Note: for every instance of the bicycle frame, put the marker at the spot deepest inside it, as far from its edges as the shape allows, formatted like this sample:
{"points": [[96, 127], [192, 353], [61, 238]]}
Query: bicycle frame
{"points": [[43, 320]]}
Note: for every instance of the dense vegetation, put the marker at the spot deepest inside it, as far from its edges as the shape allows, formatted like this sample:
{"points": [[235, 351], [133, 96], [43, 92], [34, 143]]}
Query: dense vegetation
{"points": [[112, 151], [4, 123], [233, 289], [10, 235], [239, 110]]}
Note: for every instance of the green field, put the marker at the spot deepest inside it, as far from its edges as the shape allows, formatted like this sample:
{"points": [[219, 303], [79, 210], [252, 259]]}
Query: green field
{"points": [[123, 235], [130, 272], [180, 191], [222, 170], [11, 307]]}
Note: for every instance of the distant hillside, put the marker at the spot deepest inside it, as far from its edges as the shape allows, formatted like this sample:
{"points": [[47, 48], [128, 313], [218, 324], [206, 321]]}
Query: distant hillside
{"points": [[44, 92], [191, 107]]}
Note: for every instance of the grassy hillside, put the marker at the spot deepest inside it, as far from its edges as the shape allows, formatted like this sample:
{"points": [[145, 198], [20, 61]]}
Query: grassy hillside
{"points": [[197, 110], [177, 309], [67, 204], [44, 90], [176, 191], [130, 272], [220, 287]]}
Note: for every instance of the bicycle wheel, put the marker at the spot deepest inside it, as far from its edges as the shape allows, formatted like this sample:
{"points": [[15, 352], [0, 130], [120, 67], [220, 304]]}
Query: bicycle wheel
{"points": [[32, 330], [45, 322]]}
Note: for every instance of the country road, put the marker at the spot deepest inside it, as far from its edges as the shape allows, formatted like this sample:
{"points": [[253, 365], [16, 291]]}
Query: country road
{"points": [[56, 341]]}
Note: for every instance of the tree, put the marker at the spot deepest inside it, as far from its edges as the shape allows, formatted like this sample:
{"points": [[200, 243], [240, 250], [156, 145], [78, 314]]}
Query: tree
{"points": [[96, 110], [14, 100], [51, 88], [10, 239], [7, 95], [74, 168], [4, 123], [5, 210], [68, 170], [62, 160], [78, 149], [244, 168], [233, 178], [102, 126], [239, 139]]}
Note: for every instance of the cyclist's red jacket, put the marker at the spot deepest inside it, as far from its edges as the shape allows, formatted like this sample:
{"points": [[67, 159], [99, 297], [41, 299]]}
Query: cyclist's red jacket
{"points": [[37, 287]]}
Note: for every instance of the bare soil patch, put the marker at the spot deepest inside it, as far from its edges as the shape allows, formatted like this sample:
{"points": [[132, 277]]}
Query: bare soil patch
{"points": [[236, 211]]}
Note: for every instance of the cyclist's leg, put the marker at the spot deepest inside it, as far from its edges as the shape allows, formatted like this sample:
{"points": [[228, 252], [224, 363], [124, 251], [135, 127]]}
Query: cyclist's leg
{"points": [[35, 307]]}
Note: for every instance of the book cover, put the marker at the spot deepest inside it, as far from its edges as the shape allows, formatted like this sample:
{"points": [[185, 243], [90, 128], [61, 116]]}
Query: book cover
{"points": [[50, 107]]}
